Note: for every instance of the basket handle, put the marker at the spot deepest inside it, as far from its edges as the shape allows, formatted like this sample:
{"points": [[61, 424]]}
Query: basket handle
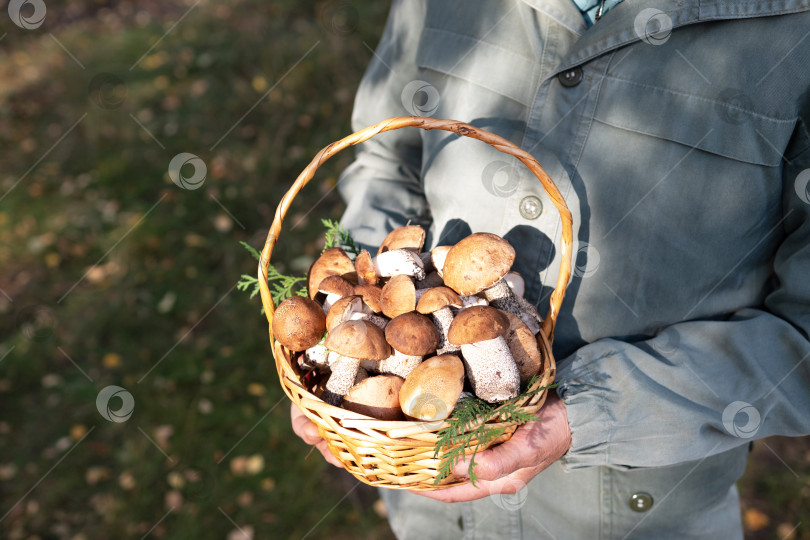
{"points": [[499, 143]]}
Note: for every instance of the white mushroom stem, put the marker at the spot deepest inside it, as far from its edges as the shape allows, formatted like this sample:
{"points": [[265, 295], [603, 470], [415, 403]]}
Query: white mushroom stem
{"points": [[529, 314], [317, 355], [344, 372], [438, 255], [399, 364], [501, 296], [399, 261], [331, 298], [442, 319], [469, 301], [380, 322], [491, 369]]}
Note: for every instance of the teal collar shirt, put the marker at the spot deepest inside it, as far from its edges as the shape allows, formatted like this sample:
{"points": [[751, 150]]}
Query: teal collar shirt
{"points": [[677, 132]]}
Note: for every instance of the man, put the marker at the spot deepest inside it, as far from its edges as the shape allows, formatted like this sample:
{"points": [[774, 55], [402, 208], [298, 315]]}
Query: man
{"points": [[678, 135]]}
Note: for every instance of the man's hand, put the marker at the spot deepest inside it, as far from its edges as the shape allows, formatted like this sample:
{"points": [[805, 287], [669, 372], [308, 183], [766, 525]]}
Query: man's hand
{"points": [[308, 431], [508, 467]]}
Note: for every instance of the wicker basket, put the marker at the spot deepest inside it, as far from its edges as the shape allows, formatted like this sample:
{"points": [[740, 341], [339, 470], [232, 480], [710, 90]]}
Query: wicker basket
{"points": [[400, 454]]}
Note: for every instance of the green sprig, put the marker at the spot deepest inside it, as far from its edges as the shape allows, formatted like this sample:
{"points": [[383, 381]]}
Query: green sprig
{"points": [[336, 236], [282, 285], [467, 427]]}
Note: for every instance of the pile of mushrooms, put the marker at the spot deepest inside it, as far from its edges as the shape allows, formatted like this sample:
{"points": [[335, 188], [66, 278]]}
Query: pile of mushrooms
{"points": [[403, 333]]}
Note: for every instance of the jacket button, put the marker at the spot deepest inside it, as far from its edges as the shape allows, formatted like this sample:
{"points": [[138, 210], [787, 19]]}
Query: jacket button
{"points": [[531, 207], [641, 502], [570, 77]]}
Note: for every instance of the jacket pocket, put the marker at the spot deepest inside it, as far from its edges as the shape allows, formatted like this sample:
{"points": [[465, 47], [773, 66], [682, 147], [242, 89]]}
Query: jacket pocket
{"points": [[724, 125]]}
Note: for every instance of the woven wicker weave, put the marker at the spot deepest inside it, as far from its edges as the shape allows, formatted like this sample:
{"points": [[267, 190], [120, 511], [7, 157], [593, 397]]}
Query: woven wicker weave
{"points": [[400, 454]]}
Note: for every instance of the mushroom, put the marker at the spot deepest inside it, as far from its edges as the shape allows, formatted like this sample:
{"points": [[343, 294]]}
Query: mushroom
{"points": [[335, 288], [478, 263], [529, 313], [389, 263], [351, 308], [492, 371], [437, 302], [411, 237], [353, 341], [371, 296], [411, 336], [377, 397], [298, 323], [524, 349], [432, 389], [438, 256], [399, 296], [332, 262]]}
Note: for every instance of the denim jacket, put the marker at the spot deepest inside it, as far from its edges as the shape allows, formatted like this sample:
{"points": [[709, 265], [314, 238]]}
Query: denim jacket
{"points": [[677, 132]]}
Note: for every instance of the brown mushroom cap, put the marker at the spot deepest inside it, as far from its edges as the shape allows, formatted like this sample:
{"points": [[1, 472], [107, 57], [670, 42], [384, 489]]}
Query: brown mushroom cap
{"points": [[412, 334], [333, 262], [371, 296], [523, 346], [338, 310], [477, 262], [432, 389], [437, 298], [365, 268], [336, 285], [477, 323], [408, 237], [358, 339], [299, 323], [377, 397], [398, 296]]}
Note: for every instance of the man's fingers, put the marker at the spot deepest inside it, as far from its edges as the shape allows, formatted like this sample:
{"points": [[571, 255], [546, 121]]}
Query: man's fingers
{"points": [[303, 426]]}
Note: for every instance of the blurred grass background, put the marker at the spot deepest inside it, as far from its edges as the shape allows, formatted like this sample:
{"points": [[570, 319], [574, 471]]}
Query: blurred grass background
{"points": [[113, 275]]}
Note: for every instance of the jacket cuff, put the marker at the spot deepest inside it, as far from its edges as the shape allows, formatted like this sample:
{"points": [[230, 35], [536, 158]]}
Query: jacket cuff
{"points": [[583, 392]]}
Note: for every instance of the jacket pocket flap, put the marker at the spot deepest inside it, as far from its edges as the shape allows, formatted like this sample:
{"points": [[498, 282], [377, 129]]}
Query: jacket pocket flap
{"points": [[723, 125]]}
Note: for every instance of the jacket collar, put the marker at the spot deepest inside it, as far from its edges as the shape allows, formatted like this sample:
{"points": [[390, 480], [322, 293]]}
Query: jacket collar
{"points": [[618, 27]]}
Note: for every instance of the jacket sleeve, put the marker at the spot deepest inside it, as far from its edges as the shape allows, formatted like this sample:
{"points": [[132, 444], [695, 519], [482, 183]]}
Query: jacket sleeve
{"points": [[705, 386], [382, 187]]}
